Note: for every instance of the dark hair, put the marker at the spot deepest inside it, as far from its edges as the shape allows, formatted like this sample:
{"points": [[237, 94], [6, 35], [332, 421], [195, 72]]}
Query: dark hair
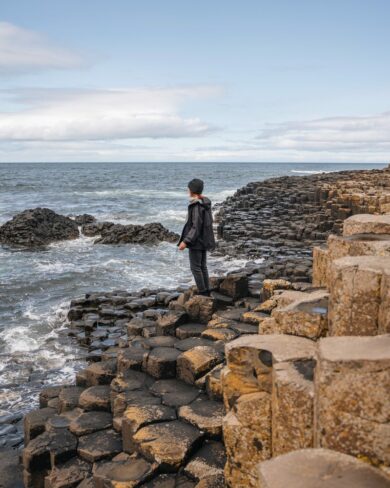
{"points": [[196, 186]]}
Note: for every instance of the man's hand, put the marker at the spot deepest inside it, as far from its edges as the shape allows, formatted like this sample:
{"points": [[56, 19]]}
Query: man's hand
{"points": [[182, 246]]}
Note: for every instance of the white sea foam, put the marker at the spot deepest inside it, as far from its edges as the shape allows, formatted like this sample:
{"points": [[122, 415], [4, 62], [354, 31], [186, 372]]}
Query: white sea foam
{"points": [[310, 172], [158, 194]]}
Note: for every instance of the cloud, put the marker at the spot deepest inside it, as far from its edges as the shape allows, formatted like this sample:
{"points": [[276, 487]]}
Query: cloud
{"points": [[23, 51], [345, 134], [85, 115]]}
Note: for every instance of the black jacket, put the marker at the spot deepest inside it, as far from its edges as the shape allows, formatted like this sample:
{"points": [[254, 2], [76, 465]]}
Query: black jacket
{"points": [[198, 229]]}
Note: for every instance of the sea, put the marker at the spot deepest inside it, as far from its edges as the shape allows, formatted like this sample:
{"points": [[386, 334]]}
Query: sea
{"points": [[36, 286]]}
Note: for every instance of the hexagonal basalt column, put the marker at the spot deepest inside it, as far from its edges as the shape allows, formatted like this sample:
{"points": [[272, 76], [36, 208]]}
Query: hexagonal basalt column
{"points": [[292, 406], [320, 266], [352, 401], [247, 390], [358, 245], [305, 317], [367, 224], [312, 468], [359, 300]]}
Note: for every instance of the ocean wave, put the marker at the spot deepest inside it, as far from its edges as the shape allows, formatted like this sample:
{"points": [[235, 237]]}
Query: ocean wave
{"points": [[154, 193]]}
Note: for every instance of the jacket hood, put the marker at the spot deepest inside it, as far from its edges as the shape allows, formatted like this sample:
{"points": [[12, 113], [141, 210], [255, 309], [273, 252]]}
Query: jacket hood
{"points": [[206, 202]]}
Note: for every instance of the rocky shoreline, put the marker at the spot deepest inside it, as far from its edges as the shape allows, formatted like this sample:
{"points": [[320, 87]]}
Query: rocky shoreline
{"points": [[155, 406], [38, 227]]}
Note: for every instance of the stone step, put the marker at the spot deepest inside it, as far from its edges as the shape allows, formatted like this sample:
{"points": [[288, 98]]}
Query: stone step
{"points": [[101, 373], [196, 362], [138, 416], [169, 442], [100, 445], [311, 468], [128, 473], [96, 398], [175, 393], [90, 422], [204, 414], [161, 362]]}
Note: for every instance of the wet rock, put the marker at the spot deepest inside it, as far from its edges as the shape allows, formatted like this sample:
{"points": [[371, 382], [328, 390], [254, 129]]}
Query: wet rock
{"points": [[104, 444], [168, 442], [84, 219], [10, 469], [90, 422], [101, 373], [138, 416], [68, 475], [137, 397], [34, 422], [129, 473], [96, 228], [175, 393], [69, 397], [47, 394], [49, 449], [191, 342], [37, 227], [206, 415], [57, 422], [152, 233]]}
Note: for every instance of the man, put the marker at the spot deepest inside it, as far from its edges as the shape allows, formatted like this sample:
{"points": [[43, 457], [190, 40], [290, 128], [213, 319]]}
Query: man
{"points": [[198, 235]]}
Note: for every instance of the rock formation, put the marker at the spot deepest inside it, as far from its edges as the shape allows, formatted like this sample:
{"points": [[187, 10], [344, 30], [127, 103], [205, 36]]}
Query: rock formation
{"points": [[41, 226], [37, 227], [280, 219], [135, 234]]}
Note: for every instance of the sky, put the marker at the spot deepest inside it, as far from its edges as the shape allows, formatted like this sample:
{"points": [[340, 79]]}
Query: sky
{"points": [[220, 80]]}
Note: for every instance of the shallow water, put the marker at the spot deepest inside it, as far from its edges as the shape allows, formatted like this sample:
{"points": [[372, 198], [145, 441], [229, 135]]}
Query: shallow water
{"points": [[37, 286]]}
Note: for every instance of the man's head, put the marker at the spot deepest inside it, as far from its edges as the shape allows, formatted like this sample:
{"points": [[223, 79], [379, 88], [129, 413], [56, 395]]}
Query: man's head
{"points": [[195, 186]]}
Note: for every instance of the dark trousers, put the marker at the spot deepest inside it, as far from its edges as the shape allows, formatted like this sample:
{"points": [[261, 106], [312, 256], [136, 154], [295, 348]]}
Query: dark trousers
{"points": [[198, 265]]}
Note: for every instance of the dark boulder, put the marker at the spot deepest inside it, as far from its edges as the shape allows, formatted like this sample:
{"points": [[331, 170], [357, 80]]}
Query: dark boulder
{"points": [[136, 234], [84, 219], [96, 228], [37, 227]]}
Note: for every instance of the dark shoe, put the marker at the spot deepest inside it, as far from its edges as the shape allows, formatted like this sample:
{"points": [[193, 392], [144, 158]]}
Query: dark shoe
{"points": [[204, 293]]}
